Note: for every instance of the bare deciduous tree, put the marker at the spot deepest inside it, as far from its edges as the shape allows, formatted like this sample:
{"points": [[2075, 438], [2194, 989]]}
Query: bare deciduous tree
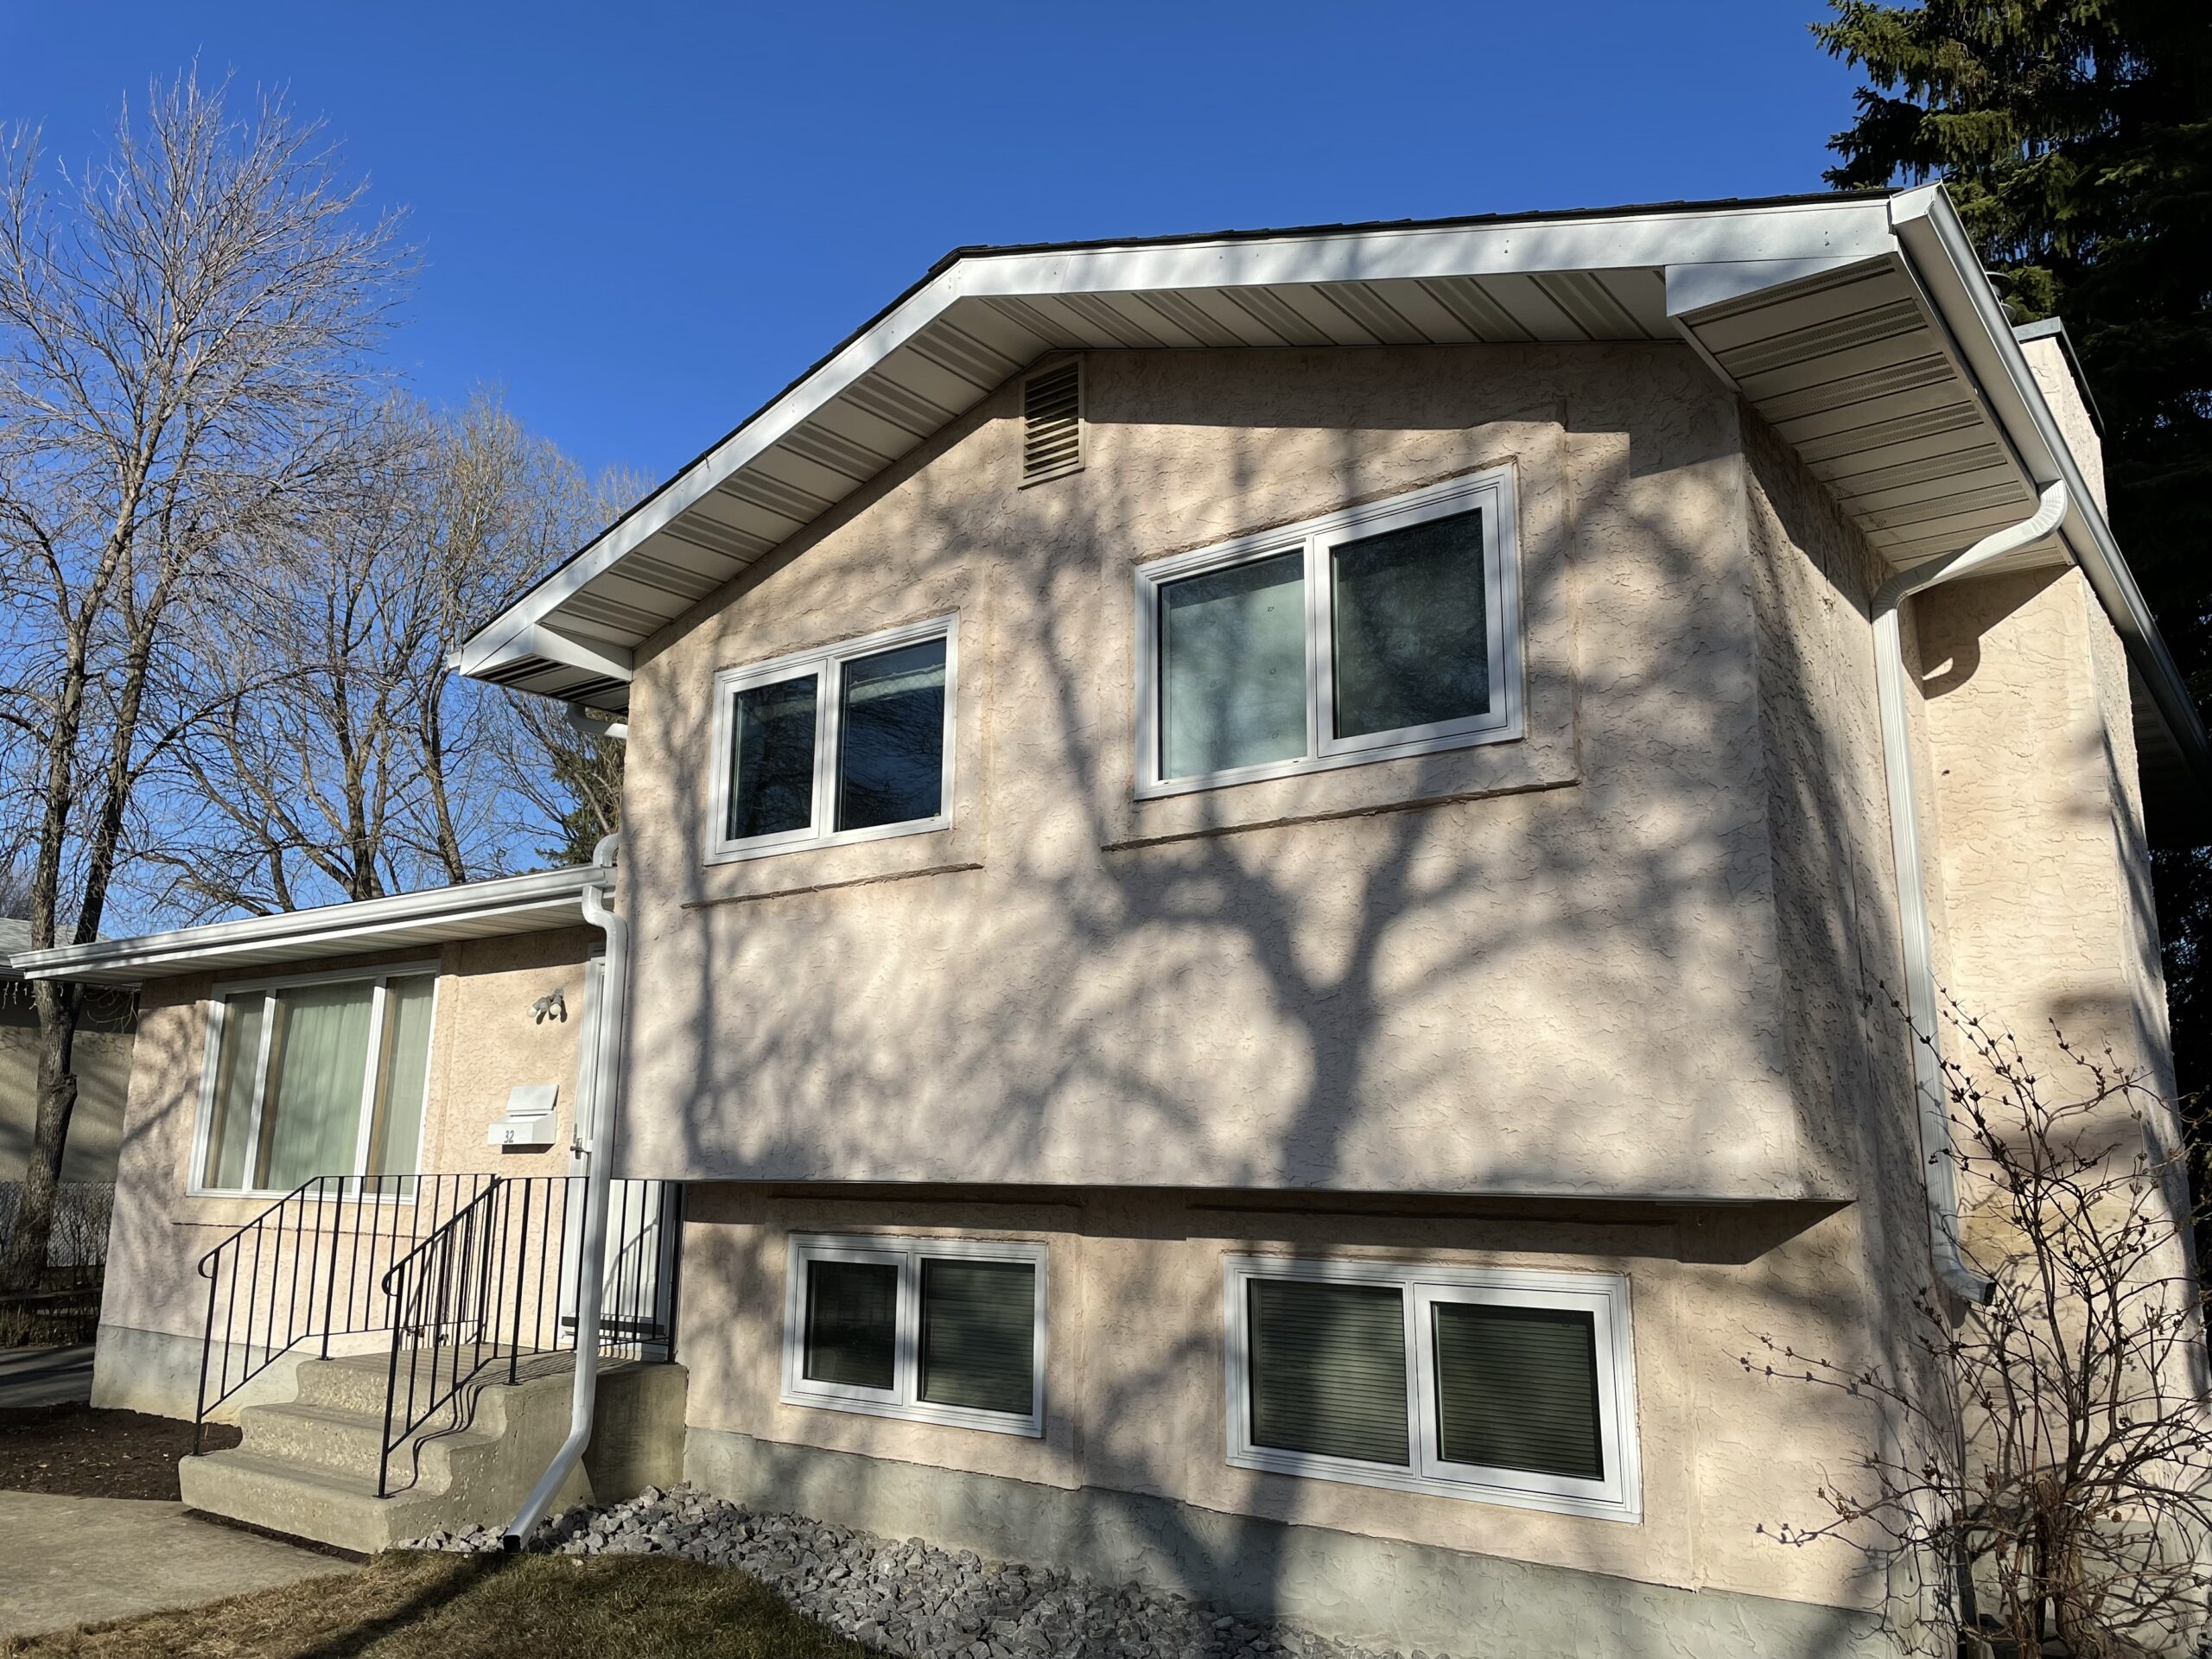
{"points": [[182, 333], [2050, 1491], [571, 780], [346, 761], [566, 776]]}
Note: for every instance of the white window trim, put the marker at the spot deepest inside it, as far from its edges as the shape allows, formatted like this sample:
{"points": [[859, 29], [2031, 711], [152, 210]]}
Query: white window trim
{"points": [[1490, 492], [1618, 1496], [824, 662], [269, 985], [902, 1400]]}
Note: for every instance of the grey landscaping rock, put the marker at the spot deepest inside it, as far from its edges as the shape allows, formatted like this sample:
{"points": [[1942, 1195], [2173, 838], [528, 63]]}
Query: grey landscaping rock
{"points": [[908, 1599]]}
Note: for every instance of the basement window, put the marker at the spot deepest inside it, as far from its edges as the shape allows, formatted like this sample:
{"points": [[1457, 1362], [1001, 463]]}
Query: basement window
{"points": [[940, 1330], [1507, 1386], [851, 742], [319, 1075], [1382, 631]]}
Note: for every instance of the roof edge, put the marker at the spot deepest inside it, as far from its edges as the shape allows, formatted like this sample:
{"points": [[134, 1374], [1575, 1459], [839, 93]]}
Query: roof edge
{"points": [[1935, 242], [946, 281], [358, 923]]}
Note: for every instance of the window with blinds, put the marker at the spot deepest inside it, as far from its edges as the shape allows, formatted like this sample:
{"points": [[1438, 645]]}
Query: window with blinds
{"points": [[1513, 1387], [940, 1329], [321, 1075], [1328, 1369]]}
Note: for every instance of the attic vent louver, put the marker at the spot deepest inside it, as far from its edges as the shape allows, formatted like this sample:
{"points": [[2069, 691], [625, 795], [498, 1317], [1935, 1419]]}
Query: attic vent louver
{"points": [[1051, 423]]}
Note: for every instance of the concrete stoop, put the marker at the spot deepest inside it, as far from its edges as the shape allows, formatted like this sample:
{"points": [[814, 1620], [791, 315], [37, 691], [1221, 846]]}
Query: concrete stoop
{"points": [[308, 1467]]}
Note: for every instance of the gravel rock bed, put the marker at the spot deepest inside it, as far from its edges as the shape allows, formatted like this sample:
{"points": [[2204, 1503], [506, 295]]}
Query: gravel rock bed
{"points": [[912, 1599]]}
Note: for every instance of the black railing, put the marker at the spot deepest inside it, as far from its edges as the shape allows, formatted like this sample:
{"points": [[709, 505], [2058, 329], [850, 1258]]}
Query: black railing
{"points": [[496, 1285], [466, 1271], [310, 1268]]}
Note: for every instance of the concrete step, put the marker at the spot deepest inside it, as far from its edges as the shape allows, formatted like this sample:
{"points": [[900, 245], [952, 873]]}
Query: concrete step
{"points": [[308, 1467], [356, 1381], [324, 1504], [351, 1442]]}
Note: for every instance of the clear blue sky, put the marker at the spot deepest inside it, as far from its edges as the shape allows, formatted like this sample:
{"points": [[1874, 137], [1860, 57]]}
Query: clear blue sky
{"points": [[641, 220]]}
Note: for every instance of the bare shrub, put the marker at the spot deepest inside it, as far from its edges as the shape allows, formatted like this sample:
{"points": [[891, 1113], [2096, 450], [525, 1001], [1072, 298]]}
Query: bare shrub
{"points": [[2049, 1489]]}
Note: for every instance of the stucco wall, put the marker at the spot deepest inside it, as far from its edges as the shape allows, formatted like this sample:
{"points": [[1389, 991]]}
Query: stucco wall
{"points": [[2055, 377], [102, 1056], [1556, 972], [1134, 1383], [483, 1040], [2048, 914]]}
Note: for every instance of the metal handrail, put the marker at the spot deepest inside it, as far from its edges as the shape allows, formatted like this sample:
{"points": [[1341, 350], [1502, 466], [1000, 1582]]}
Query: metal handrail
{"points": [[495, 1284], [304, 1269], [465, 1271]]}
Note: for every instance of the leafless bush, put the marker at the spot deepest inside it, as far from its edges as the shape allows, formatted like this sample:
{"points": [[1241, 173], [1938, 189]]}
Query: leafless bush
{"points": [[2051, 1485], [82, 1212]]}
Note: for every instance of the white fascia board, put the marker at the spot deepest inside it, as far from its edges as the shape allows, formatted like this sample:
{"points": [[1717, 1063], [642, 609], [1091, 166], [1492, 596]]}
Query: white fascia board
{"points": [[1812, 231], [1950, 270], [545, 896]]}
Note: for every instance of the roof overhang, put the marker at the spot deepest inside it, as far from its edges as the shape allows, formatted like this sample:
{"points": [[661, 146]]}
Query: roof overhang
{"points": [[1903, 385], [1861, 326], [519, 904]]}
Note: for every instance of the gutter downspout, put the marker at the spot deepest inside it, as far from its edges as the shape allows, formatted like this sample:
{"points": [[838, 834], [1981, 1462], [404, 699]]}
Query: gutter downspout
{"points": [[1912, 895], [598, 1149]]}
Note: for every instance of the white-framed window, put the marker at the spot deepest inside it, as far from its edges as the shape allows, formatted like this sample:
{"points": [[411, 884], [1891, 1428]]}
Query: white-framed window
{"points": [[938, 1330], [1381, 630], [1503, 1385], [315, 1074], [851, 742]]}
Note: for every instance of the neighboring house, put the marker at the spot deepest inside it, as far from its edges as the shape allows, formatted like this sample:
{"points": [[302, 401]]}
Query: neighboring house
{"points": [[1263, 884], [103, 1068]]}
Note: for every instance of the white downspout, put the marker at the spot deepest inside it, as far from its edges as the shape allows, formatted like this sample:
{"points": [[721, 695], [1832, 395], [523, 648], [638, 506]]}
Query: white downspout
{"points": [[598, 1139], [1912, 895]]}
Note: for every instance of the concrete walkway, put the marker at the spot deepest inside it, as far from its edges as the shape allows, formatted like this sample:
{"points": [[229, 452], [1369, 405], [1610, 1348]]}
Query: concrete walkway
{"points": [[75, 1561], [45, 1377]]}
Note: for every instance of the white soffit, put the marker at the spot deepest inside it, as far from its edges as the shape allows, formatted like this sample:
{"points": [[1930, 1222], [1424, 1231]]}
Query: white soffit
{"points": [[1852, 369], [983, 317], [522, 903]]}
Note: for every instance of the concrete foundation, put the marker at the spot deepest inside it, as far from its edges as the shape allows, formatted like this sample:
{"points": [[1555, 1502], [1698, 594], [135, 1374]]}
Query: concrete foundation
{"points": [[158, 1372], [1376, 1590]]}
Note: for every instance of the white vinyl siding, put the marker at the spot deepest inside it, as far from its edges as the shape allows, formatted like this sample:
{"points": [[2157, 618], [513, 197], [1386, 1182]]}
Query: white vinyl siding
{"points": [[1504, 1385], [1382, 631], [942, 1331]]}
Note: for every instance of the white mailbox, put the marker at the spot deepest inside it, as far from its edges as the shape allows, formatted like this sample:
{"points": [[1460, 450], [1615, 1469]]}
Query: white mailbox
{"points": [[529, 1122]]}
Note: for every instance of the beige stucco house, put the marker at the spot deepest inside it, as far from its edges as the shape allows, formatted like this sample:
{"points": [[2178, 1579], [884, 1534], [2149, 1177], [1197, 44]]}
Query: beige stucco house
{"points": [[1264, 887]]}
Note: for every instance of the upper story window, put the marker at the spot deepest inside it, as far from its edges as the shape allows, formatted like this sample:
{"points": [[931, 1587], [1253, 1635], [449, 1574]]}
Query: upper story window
{"points": [[852, 742], [323, 1074], [1386, 630]]}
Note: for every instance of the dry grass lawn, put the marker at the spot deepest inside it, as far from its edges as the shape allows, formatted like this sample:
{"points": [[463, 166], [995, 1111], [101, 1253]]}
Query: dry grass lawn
{"points": [[423, 1606]]}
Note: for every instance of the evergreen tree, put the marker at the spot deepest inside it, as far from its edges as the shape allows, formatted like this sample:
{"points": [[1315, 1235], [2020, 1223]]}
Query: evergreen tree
{"points": [[2075, 138]]}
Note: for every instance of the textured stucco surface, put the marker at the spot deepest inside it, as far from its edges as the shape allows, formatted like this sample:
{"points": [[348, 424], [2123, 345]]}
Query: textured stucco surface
{"points": [[483, 1041], [2054, 378], [1650, 950], [1558, 974], [1133, 1380]]}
